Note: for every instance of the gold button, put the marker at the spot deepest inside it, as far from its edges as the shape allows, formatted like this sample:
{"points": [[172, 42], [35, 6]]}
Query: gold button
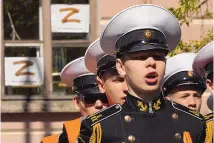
{"points": [[131, 138], [178, 136], [175, 116], [127, 118], [117, 106]]}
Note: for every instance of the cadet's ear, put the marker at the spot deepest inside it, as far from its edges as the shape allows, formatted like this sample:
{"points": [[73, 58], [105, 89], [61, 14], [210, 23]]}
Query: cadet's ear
{"points": [[120, 67], [209, 85], [100, 84], [76, 101], [167, 97]]}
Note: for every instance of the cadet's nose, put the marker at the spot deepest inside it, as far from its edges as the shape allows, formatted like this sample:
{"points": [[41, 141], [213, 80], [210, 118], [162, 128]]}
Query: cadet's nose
{"points": [[150, 62], [192, 103]]}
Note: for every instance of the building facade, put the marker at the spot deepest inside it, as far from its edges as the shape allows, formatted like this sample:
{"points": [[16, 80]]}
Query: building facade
{"points": [[31, 111]]}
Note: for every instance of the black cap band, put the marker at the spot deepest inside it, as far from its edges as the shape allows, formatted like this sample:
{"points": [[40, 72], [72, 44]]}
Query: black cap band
{"points": [[106, 63], [141, 39], [86, 84], [184, 78]]}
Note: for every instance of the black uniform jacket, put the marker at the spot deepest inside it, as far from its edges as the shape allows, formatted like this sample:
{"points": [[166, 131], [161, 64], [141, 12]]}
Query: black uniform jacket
{"points": [[157, 121]]}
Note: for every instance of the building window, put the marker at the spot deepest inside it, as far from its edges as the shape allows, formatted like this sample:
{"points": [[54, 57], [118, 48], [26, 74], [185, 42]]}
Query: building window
{"points": [[61, 57], [21, 19], [27, 89], [24, 37], [69, 35]]}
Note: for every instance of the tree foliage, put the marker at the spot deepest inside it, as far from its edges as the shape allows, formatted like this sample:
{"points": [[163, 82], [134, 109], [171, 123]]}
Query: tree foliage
{"points": [[187, 10], [24, 18], [193, 46]]}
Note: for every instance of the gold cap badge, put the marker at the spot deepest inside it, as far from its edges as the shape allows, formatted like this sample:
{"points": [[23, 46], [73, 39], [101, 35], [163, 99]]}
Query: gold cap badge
{"points": [[148, 33], [190, 73]]}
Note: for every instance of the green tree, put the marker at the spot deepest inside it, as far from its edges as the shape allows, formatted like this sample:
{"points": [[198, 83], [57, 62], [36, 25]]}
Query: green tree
{"points": [[185, 13]]}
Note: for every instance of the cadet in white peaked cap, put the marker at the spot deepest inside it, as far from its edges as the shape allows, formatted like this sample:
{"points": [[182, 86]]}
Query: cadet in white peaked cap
{"points": [[109, 81], [140, 37], [181, 85], [89, 100], [203, 66]]}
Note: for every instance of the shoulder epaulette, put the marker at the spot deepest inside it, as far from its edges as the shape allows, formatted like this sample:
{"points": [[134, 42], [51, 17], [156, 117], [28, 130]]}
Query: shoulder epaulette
{"points": [[103, 114], [208, 117], [187, 110]]}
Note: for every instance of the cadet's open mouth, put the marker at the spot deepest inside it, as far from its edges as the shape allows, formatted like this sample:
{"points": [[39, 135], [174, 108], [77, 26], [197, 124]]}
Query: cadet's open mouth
{"points": [[152, 78]]}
